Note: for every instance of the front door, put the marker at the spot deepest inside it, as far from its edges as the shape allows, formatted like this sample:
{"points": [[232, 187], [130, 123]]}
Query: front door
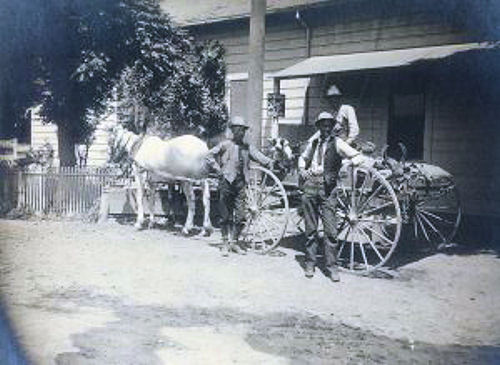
{"points": [[406, 124]]}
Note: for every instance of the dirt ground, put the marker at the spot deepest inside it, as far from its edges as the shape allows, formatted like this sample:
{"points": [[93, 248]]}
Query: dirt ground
{"points": [[79, 293]]}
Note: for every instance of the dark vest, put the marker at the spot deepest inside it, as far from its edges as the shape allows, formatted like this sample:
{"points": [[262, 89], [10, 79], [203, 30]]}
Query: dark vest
{"points": [[332, 165]]}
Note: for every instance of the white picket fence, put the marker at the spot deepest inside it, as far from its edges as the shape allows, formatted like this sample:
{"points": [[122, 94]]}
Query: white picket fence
{"points": [[62, 191]]}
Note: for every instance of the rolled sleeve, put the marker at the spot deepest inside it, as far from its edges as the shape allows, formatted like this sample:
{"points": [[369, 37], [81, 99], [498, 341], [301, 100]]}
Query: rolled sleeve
{"points": [[353, 124], [210, 158], [259, 157]]}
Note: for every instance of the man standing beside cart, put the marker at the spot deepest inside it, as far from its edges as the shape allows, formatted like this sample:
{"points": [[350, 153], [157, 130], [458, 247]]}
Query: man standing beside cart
{"points": [[319, 166], [234, 156]]}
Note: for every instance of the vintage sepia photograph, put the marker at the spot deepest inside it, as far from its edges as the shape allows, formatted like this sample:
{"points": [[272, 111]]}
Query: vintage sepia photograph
{"points": [[249, 182]]}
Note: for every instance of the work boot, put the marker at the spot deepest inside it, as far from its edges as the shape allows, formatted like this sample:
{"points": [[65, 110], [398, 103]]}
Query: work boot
{"points": [[224, 250], [309, 270], [334, 274], [236, 248]]}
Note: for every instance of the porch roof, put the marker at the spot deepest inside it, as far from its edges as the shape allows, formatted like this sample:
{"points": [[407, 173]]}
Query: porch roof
{"points": [[375, 60]]}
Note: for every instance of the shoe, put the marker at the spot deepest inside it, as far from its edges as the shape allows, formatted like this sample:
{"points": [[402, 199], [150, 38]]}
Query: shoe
{"points": [[237, 249], [334, 275], [224, 250], [309, 270]]}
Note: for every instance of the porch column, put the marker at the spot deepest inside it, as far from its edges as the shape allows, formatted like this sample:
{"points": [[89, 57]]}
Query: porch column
{"points": [[256, 69]]}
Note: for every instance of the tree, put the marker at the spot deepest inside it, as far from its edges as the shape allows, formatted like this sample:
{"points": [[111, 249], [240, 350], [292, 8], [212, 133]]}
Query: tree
{"points": [[19, 26], [83, 53], [175, 85], [80, 49]]}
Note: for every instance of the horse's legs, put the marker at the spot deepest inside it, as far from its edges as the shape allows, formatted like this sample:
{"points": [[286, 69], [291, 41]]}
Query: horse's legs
{"points": [[140, 195], [151, 203], [187, 187], [207, 225]]}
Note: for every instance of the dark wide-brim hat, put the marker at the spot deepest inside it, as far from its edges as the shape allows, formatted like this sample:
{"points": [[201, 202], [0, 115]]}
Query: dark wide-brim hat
{"points": [[238, 122], [324, 116]]}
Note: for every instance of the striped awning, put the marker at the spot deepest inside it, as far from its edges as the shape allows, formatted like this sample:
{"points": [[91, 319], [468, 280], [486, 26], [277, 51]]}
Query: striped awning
{"points": [[376, 60]]}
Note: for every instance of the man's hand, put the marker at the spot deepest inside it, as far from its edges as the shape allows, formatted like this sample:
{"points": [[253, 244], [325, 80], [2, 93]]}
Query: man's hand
{"points": [[358, 160], [305, 174], [276, 165]]}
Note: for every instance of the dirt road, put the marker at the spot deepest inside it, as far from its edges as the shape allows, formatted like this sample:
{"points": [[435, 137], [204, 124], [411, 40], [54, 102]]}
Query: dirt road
{"points": [[81, 293]]}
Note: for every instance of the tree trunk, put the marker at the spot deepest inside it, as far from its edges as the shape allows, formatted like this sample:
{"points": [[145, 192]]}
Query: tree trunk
{"points": [[66, 142]]}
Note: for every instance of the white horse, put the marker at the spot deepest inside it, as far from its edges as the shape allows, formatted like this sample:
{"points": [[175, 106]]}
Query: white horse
{"points": [[176, 159]]}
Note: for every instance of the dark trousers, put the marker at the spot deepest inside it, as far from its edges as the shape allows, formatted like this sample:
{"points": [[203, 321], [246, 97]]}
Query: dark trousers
{"points": [[232, 203], [316, 205]]}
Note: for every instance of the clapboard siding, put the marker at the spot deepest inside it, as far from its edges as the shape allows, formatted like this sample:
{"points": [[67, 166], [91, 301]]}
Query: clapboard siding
{"points": [[286, 44], [98, 153], [99, 149], [460, 145]]}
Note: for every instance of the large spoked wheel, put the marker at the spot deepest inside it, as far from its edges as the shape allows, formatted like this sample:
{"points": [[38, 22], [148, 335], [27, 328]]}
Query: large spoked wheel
{"points": [[267, 210], [435, 215], [369, 220]]}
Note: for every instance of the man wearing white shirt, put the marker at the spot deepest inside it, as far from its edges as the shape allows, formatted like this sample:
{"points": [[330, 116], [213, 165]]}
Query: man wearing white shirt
{"points": [[319, 166], [346, 126]]}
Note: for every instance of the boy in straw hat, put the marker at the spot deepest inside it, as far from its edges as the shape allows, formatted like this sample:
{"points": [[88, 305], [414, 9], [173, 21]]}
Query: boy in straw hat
{"points": [[234, 156]]}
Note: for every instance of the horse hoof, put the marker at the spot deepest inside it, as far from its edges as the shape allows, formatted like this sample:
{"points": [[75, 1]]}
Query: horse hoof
{"points": [[207, 232], [185, 232], [138, 227]]}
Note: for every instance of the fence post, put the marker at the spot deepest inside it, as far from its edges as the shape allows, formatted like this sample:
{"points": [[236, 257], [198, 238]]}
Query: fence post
{"points": [[14, 148], [19, 188], [104, 208]]}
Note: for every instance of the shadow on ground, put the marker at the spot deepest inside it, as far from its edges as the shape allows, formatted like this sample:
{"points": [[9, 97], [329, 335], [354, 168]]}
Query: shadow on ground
{"points": [[136, 336], [407, 251]]}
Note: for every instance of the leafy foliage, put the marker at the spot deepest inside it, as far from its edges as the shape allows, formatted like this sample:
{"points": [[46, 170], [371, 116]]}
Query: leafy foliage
{"points": [[76, 53], [175, 85]]}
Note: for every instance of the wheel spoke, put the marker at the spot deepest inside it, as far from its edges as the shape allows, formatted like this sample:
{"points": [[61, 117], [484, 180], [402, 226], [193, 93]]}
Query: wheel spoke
{"points": [[362, 189], [433, 227], [263, 182], [415, 228], [379, 235], [353, 189], [273, 223], [363, 253], [372, 195], [261, 229], [351, 260], [380, 221], [375, 209], [262, 187], [344, 241], [436, 216], [341, 202], [371, 243], [267, 193], [269, 231], [344, 190], [272, 203], [417, 216]]}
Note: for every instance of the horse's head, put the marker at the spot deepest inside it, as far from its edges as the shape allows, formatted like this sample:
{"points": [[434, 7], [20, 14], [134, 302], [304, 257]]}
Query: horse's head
{"points": [[282, 154], [117, 137], [281, 149]]}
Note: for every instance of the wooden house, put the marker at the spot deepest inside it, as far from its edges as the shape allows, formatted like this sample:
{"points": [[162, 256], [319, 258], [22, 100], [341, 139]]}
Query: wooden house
{"points": [[422, 72]]}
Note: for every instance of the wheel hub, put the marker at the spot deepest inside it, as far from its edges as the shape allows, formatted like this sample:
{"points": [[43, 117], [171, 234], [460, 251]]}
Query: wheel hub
{"points": [[352, 218]]}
